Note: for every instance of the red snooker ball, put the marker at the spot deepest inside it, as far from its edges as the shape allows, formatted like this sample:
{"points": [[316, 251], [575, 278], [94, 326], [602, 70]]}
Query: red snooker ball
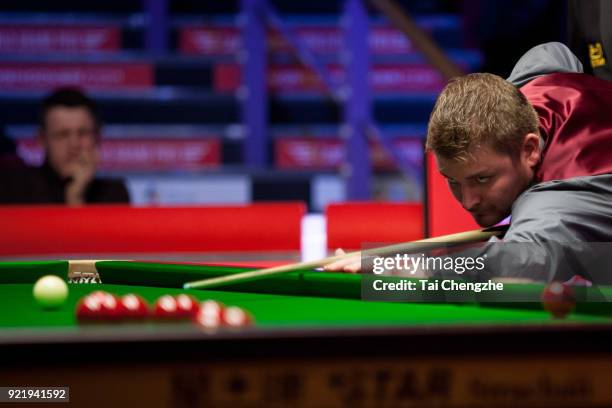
{"points": [[89, 308], [166, 307], [209, 314], [187, 306], [558, 299], [234, 316], [134, 307], [111, 307], [99, 294]]}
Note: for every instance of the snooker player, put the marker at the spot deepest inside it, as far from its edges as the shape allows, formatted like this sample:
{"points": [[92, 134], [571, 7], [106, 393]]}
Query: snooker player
{"points": [[538, 147], [70, 136]]}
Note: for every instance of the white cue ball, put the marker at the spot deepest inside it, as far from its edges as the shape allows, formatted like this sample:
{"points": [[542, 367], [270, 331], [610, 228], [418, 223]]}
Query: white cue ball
{"points": [[50, 291]]}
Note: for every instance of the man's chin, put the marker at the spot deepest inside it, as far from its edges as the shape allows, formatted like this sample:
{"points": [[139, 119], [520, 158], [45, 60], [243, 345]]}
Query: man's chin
{"points": [[486, 220], [65, 172]]}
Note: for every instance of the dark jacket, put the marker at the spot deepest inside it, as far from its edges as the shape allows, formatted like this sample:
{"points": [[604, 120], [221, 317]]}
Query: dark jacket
{"points": [[22, 184]]}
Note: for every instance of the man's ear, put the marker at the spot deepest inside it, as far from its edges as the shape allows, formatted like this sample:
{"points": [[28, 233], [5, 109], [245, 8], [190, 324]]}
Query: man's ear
{"points": [[530, 151]]}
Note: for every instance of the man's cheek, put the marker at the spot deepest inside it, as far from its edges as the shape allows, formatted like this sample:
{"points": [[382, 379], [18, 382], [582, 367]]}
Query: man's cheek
{"points": [[89, 144], [456, 192]]}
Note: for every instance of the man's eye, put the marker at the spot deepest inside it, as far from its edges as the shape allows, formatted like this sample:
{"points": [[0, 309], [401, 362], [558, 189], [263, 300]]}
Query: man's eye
{"points": [[86, 132], [482, 179], [61, 135]]}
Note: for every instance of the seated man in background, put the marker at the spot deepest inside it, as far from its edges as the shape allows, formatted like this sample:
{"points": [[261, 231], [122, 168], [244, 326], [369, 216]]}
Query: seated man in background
{"points": [[70, 136], [537, 147]]}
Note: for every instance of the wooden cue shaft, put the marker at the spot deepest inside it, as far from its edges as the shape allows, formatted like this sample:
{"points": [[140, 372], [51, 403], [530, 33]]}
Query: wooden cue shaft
{"points": [[468, 236]]}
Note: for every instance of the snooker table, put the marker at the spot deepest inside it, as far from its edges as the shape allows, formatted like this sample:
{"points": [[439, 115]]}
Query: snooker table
{"points": [[314, 343]]}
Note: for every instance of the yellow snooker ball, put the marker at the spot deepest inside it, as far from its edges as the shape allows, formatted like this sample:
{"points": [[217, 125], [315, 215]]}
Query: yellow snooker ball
{"points": [[50, 292]]}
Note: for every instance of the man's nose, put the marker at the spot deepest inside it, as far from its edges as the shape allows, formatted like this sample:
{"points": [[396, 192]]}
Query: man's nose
{"points": [[74, 140], [470, 199]]}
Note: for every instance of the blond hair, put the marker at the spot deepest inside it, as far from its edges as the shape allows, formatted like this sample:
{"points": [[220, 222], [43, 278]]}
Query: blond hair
{"points": [[479, 110]]}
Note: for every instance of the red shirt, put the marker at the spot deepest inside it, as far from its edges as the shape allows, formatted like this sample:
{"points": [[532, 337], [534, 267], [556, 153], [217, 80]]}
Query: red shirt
{"points": [[575, 112]]}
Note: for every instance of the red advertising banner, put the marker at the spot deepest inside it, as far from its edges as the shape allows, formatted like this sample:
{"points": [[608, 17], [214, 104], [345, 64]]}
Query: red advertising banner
{"points": [[225, 40], [388, 78], [409, 149], [209, 40], [327, 154], [143, 154], [406, 77], [308, 153], [40, 39], [44, 76], [226, 77], [320, 40]]}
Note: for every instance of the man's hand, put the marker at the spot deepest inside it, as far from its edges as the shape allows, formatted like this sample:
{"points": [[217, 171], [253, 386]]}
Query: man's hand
{"points": [[82, 172], [350, 265]]}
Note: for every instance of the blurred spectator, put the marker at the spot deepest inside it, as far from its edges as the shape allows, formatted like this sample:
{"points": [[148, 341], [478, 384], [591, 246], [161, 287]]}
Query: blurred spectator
{"points": [[589, 24], [70, 136]]}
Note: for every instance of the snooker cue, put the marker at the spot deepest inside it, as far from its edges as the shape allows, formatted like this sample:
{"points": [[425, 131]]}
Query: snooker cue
{"points": [[413, 246]]}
